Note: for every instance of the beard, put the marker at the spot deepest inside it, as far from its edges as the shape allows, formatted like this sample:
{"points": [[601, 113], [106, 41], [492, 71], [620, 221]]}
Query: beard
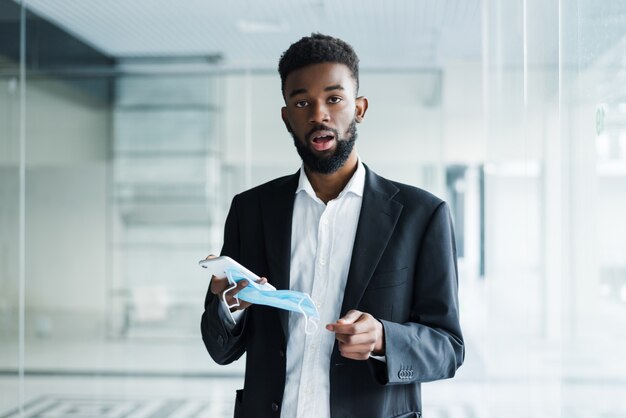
{"points": [[331, 163]]}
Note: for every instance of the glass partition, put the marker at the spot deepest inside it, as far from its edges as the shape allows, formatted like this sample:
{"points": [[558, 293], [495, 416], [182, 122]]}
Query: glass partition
{"points": [[121, 202], [594, 298], [11, 207], [554, 187], [116, 173]]}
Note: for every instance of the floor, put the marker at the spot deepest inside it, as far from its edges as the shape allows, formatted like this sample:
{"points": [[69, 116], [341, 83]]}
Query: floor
{"points": [[187, 397], [506, 375], [149, 407]]}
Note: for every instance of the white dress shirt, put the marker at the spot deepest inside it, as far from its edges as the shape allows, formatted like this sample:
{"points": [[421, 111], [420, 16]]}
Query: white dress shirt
{"points": [[322, 238]]}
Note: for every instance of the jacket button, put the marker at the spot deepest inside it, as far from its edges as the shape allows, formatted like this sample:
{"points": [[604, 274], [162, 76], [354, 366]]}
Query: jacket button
{"points": [[274, 407], [281, 353]]}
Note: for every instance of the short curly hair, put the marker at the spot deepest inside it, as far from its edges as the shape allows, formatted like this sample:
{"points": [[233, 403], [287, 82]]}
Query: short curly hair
{"points": [[317, 49]]}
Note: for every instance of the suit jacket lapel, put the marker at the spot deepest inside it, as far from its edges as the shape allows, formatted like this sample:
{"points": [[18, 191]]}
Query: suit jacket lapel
{"points": [[379, 214], [277, 214]]}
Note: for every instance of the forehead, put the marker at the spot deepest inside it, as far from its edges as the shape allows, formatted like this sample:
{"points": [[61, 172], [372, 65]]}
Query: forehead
{"points": [[316, 77]]}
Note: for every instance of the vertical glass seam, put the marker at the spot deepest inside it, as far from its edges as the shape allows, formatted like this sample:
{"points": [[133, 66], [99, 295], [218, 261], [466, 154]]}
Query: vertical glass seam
{"points": [[248, 128], [559, 134], [525, 51], [22, 207], [485, 70]]}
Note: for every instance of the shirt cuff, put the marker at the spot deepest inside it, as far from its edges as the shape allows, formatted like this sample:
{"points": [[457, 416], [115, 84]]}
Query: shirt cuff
{"points": [[379, 358]]}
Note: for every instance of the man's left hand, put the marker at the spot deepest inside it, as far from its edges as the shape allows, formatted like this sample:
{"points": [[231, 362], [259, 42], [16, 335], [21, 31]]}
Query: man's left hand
{"points": [[359, 334]]}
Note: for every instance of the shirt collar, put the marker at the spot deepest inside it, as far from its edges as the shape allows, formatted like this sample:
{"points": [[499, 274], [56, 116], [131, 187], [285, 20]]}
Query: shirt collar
{"points": [[356, 185]]}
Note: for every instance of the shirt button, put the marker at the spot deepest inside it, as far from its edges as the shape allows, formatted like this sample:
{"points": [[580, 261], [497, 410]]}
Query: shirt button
{"points": [[322, 261], [274, 407], [313, 347], [325, 221]]}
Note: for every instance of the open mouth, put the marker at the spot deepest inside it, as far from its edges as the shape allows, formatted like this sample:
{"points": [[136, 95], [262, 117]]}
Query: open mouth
{"points": [[322, 140]]}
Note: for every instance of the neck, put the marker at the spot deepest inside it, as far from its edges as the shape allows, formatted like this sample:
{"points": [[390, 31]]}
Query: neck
{"points": [[328, 186]]}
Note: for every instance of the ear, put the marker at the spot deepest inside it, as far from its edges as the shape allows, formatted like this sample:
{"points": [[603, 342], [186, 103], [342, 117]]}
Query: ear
{"points": [[361, 108], [283, 115]]}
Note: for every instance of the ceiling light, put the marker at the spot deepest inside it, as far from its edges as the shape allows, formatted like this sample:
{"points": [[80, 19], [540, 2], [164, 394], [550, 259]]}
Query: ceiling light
{"points": [[257, 26]]}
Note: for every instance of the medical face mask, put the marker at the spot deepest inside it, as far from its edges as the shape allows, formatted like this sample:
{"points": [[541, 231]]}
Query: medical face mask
{"points": [[290, 300]]}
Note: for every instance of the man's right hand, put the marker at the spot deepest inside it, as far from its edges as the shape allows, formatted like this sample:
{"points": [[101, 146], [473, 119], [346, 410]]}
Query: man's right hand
{"points": [[220, 285]]}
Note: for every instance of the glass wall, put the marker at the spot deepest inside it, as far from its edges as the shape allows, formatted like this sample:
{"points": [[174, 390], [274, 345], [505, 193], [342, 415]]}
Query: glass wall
{"points": [[116, 172], [555, 184], [593, 97], [10, 206]]}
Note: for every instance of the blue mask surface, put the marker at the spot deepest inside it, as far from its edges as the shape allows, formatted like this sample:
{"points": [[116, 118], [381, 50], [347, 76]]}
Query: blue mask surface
{"points": [[290, 300]]}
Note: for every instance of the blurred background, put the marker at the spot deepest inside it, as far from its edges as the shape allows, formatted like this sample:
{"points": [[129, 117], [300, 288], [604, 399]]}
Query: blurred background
{"points": [[127, 127]]}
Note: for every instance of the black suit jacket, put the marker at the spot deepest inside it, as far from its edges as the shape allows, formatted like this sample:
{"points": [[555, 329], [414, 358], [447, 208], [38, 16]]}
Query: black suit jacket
{"points": [[403, 272]]}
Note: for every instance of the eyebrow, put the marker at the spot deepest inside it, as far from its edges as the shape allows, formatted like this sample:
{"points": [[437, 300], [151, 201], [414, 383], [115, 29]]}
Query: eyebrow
{"points": [[335, 87], [296, 92], [329, 88]]}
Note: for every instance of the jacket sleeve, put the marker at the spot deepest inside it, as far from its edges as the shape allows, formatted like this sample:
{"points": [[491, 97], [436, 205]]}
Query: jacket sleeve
{"points": [[224, 342], [430, 346]]}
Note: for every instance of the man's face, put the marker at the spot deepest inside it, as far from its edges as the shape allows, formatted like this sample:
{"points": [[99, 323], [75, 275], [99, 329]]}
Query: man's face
{"points": [[321, 113]]}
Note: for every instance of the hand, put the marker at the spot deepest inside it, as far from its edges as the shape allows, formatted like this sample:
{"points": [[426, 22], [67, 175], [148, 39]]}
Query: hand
{"points": [[220, 284], [359, 334]]}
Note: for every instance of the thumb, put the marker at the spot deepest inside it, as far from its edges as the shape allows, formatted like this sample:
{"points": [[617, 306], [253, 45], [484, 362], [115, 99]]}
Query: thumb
{"points": [[351, 317]]}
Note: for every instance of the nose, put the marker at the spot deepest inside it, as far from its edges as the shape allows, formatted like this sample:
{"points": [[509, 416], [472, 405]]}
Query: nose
{"points": [[318, 114]]}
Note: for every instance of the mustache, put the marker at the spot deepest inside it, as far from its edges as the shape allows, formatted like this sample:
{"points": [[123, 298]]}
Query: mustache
{"points": [[321, 127]]}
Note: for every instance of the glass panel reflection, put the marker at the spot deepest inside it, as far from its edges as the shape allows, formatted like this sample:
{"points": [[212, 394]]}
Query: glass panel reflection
{"points": [[10, 207], [131, 165]]}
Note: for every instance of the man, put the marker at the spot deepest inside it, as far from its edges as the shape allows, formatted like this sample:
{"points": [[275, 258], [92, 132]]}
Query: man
{"points": [[378, 258]]}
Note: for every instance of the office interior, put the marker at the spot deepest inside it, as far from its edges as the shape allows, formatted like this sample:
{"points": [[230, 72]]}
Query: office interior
{"points": [[127, 127]]}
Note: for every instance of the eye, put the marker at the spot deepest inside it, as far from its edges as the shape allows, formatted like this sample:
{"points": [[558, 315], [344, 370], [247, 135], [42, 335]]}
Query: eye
{"points": [[334, 99], [302, 103]]}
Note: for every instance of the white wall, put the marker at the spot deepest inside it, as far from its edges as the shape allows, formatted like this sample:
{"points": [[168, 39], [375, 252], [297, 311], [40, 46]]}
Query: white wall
{"points": [[66, 238], [611, 227], [9, 201], [66, 184], [463, 128], [401, 131]]}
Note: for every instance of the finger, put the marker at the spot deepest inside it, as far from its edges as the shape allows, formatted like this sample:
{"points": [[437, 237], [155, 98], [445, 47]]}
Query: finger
{"points": [[356, 339], [218, 284], [231, 291], [352, 329], [351, 317], [262, 280], [356, 348], [210, 256], [231, 295], [344, 322], [354, 355], [238, 286], [364, 324]]}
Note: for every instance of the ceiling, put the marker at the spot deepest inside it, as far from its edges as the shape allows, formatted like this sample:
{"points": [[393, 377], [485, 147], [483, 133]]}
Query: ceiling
{"points": [[252, 34]]}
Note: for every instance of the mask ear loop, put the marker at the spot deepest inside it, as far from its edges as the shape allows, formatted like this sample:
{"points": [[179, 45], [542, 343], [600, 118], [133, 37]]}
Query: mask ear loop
{"points": [[236, 304], [308, 320]]}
